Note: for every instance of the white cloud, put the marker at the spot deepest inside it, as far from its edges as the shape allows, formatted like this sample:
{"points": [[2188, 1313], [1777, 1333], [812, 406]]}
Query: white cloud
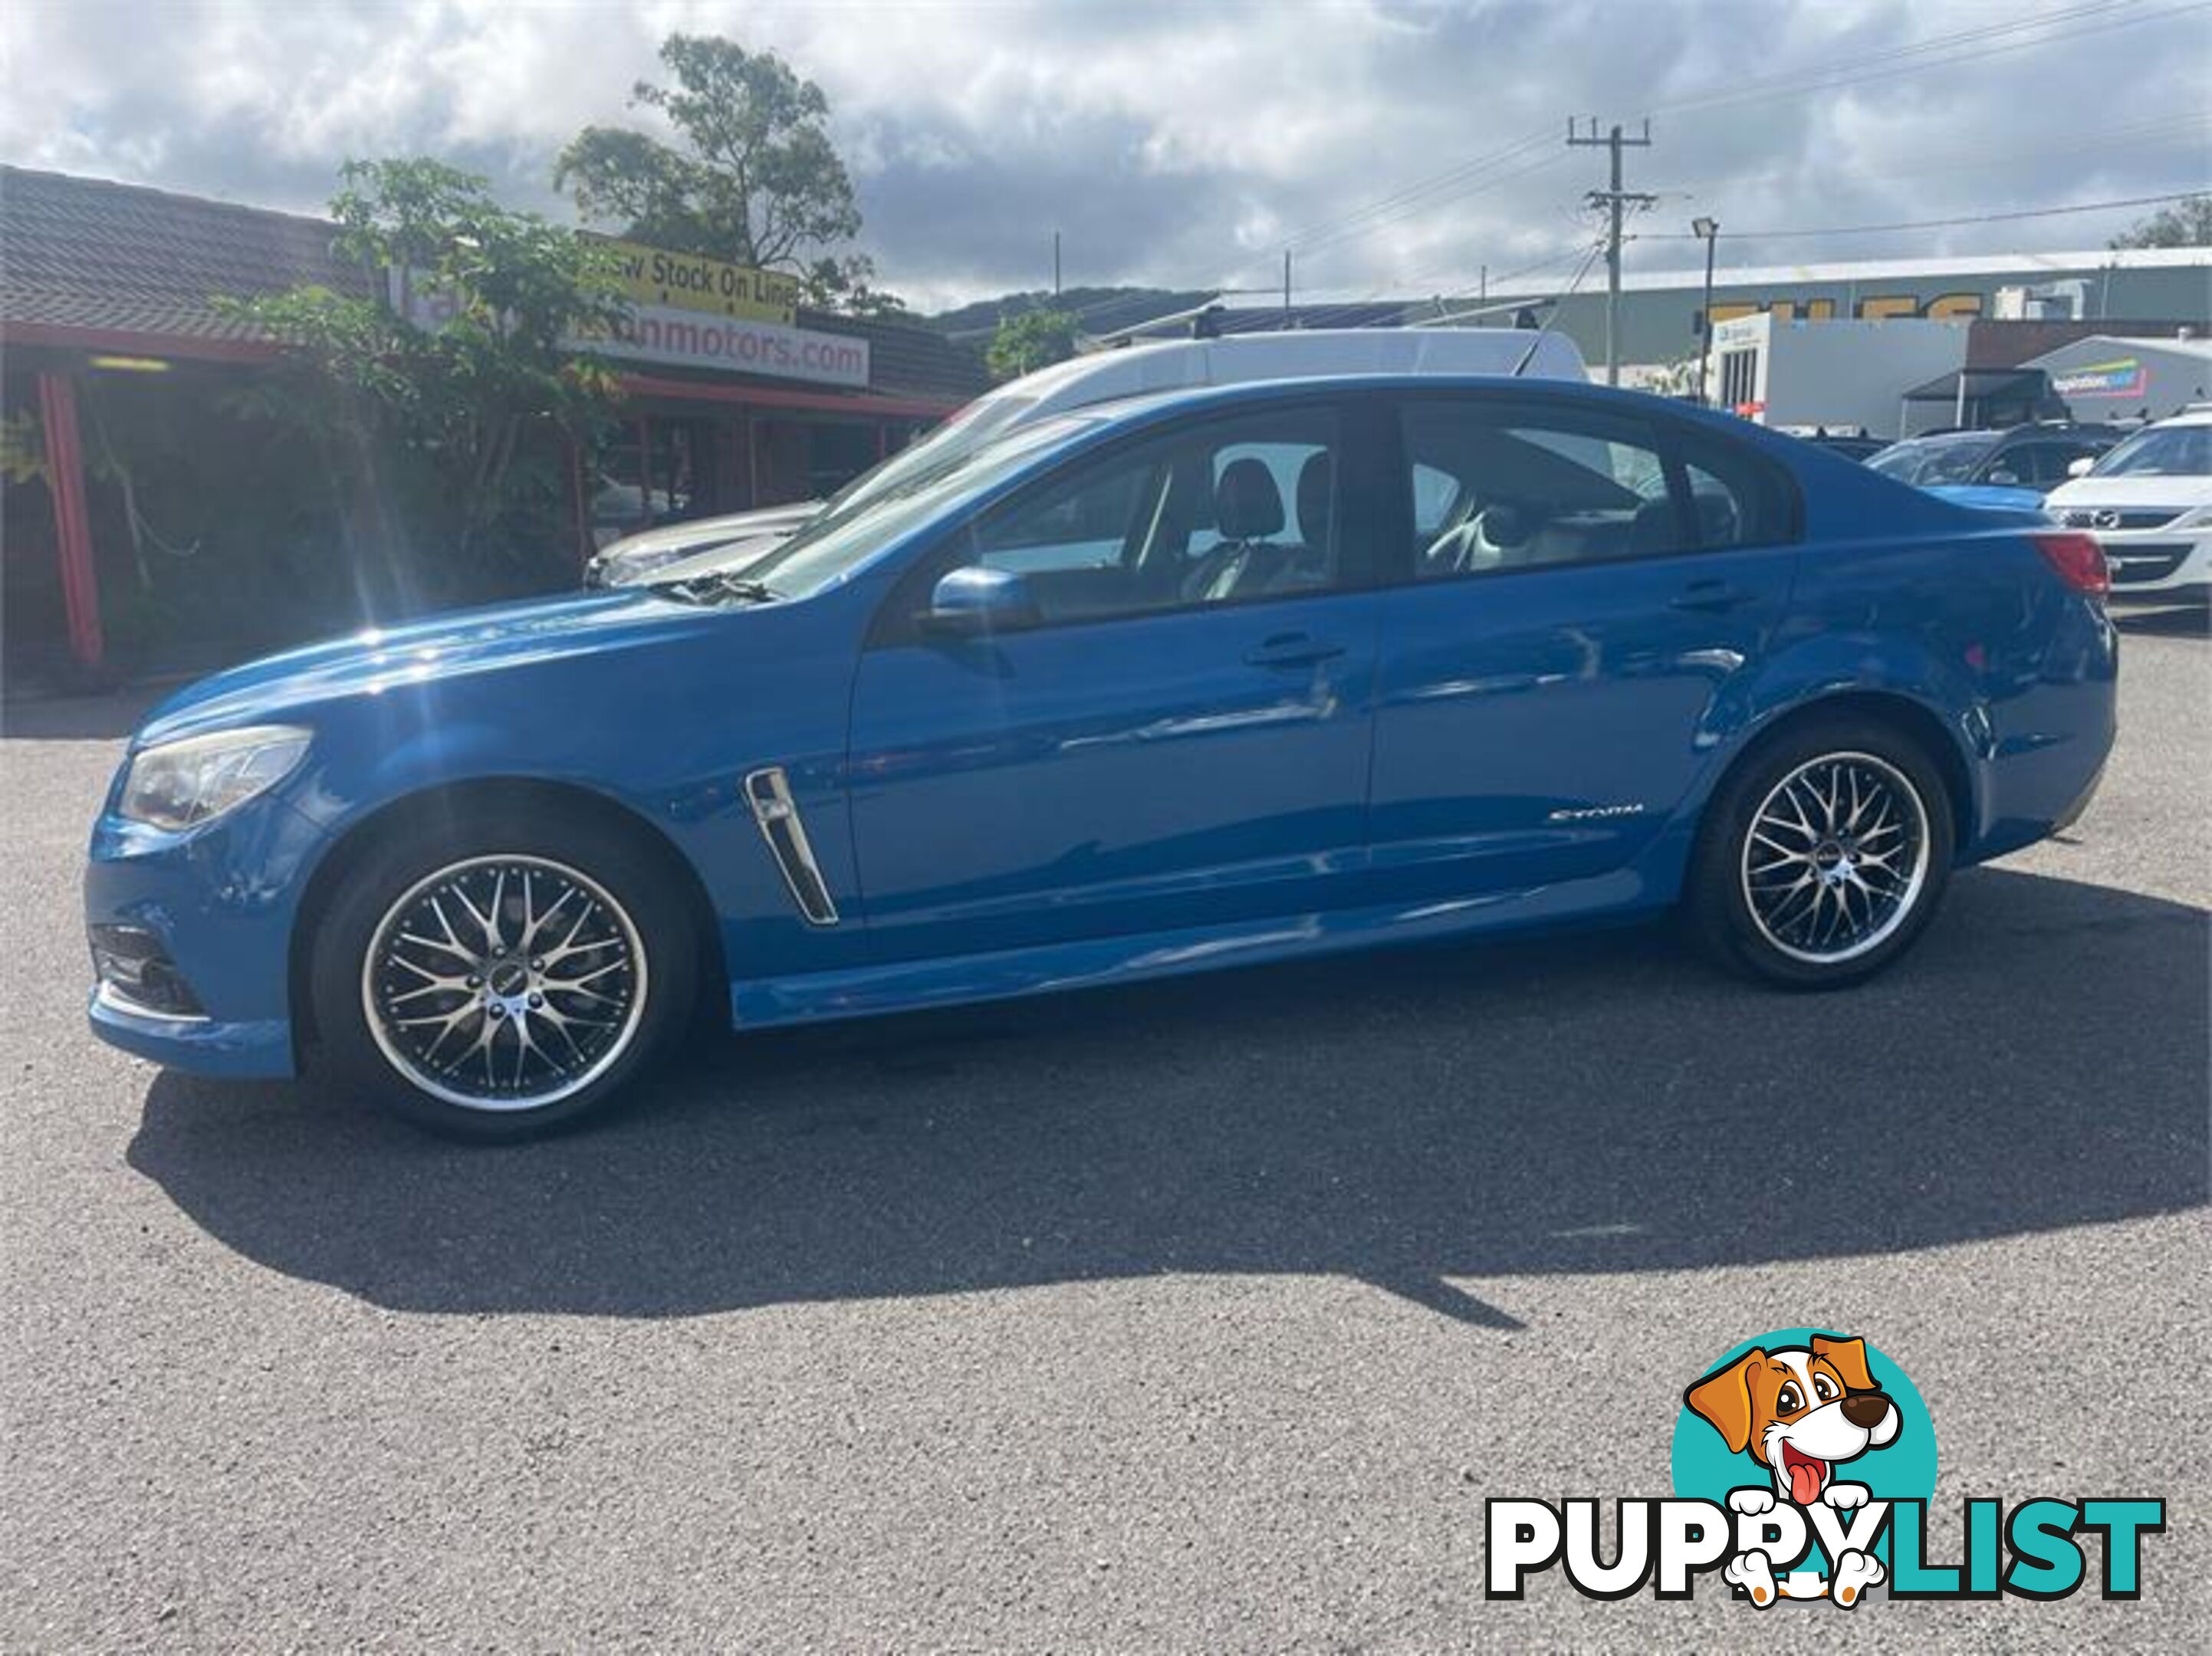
{"points": [[1181, 144]]}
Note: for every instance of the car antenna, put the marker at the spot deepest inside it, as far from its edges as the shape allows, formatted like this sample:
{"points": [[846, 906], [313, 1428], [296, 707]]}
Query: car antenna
{"points": [[1558, 305]]}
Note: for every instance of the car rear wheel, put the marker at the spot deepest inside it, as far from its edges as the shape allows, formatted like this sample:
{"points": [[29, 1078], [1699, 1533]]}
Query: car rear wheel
{"points": [[1824, 856], [500, 979]]}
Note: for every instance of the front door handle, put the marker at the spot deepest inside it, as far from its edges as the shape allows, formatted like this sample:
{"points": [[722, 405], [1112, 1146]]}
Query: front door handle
{"points": [[1711, 596], [1292, 650]]}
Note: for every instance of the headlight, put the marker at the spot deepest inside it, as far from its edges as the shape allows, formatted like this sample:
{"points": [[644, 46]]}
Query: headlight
{"points": [[180, 785], [2200, 518]]}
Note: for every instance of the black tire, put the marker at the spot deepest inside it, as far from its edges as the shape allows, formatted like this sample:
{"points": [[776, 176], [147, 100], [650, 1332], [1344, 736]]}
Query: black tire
{"points": [[651, 946], [1728, 865]]}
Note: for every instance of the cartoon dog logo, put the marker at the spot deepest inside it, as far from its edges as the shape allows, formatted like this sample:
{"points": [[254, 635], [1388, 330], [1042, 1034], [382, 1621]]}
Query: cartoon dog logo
{"points": [[1799, 1411]]}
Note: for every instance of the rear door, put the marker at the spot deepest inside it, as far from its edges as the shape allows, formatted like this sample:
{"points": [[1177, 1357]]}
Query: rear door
{"points": [[1577, 594]]}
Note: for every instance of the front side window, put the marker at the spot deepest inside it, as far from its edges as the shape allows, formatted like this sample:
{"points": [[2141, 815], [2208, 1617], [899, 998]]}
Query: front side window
{"points": [[1926, 460], [2036, 465], [1231, 510]]}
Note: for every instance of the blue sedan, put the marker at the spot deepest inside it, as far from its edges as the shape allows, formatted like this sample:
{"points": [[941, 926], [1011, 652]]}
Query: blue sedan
{"points": [[1167, 684]]}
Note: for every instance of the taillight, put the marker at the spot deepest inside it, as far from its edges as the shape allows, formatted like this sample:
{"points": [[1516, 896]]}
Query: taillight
{"points": [[2078, 560]]}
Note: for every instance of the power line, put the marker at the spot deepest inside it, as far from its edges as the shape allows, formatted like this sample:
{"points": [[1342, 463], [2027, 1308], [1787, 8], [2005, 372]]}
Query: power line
{"points": [[2167, 131], [1939, 49], [1305, 235], [1457, 188], [1940, 224], [1934, 52]]}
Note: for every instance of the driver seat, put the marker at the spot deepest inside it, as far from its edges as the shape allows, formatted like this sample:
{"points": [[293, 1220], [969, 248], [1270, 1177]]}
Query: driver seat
{"points": [[1248, 508]]}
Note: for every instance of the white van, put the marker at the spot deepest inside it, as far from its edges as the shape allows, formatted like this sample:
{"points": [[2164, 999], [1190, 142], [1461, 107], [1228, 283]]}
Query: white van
{"points": [[1104, 377]]}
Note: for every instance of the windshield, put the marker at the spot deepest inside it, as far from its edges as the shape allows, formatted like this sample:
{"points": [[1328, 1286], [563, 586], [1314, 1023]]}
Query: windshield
{"points": [[2160, 452], [973, 426], [1925, 460], [840, 539]]}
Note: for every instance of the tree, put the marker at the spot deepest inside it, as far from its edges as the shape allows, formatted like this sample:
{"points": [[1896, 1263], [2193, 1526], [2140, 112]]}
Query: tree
{"points": [[752, 178], [446, 396], [2186, 224], [1034, 339]]}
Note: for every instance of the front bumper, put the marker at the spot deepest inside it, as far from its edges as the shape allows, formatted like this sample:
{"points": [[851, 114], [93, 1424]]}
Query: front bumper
{"points": [[248, 1050], [2162, 560], [221, 901]]}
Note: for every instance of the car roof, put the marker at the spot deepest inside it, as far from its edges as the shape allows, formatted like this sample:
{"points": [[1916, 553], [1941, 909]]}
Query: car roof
{"points": [[1244, 359], [1125, 410]]}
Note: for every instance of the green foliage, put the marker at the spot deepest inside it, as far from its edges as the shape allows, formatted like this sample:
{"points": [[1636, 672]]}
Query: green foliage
{"points": [[452, 398], [752, 176], [2186, 224], [1034, 339]]}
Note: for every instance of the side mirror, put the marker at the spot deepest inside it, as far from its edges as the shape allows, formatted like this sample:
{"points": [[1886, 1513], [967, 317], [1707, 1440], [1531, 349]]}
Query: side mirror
{"points": [[2005, 478], [975, 602], [2081, 467]]}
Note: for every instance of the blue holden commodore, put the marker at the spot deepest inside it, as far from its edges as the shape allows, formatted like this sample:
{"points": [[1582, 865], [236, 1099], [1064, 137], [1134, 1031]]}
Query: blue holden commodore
{"points": [[1174, 682]]}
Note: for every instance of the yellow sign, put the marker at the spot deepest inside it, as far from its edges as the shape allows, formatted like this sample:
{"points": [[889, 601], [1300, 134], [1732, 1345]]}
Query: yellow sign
{"points": [[690, 282]]}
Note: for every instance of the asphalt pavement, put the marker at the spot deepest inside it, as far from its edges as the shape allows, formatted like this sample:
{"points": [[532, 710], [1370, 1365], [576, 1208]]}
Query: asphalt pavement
{"points": [[1201, 1316]]}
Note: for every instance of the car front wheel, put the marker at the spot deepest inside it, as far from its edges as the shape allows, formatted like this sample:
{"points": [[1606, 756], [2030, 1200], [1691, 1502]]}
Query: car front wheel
{"points": [[1824, 856], [500, 980]]}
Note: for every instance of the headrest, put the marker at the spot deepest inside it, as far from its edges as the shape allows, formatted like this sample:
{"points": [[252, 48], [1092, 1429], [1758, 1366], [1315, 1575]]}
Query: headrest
{"points": [[1718, 523], [1505, 526], [1247, 505], [1316, 498]]}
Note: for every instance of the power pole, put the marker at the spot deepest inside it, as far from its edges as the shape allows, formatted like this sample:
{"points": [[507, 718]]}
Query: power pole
{"points": [[1286, 286], [1055, 265], [1613, 199]]}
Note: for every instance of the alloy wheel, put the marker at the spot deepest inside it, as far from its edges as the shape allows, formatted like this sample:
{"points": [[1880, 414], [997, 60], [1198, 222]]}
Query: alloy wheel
{"points": [[1836, 858], [504, 982]]}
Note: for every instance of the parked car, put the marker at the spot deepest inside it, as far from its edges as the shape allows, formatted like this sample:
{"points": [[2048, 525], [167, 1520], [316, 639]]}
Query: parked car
{"points": [[1185, 681], [1851, 444], [1993, 497], [2149, 504], [2026, 457], [1104, 376]]}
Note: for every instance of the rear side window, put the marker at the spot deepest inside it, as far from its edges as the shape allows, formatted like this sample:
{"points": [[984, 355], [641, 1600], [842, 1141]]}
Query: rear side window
{"points": [[1496, 486], [1738, 496]]}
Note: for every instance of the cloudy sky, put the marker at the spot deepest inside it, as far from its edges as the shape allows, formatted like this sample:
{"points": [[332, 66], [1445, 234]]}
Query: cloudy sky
{"points": [[1396, 147]]}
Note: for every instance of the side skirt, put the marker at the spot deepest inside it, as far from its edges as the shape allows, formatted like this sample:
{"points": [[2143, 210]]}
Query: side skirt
{"points": [[1090, 963]]}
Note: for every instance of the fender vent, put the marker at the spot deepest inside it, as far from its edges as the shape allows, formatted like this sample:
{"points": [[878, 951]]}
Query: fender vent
{"points": [[768, 793]]}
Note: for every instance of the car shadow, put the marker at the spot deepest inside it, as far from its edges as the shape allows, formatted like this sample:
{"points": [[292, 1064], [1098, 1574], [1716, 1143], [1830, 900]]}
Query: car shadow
{"points": [[2189, 620], [1597, 1103]]}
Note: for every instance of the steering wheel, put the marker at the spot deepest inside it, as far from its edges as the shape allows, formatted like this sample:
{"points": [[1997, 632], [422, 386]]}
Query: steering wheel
{"points": [[1485, 539]]}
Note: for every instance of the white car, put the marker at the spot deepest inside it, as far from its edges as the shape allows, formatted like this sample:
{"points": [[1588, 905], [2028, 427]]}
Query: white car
{"points": [[1104, 377], [2149, 504]]}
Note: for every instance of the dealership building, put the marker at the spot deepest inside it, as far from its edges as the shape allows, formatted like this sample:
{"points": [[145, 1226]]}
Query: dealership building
{"points": [[127, 388], [1661, 312], [1662, 315]]}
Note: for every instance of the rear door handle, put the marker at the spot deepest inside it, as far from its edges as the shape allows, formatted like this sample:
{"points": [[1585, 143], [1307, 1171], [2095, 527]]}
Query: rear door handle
{"points": [[1292, 650], [1711, 596]]}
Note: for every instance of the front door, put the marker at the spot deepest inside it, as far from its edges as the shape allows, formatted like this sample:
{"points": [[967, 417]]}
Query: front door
{"points": [[1582, 597], [1180, 740]]}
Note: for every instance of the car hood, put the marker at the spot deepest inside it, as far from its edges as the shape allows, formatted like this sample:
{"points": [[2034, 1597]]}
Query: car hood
{"points": [[2178, 492], [436, 647]]}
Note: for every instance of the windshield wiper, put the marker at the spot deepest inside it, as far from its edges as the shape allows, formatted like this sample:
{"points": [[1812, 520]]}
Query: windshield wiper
{"points": [[717, 586]]}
